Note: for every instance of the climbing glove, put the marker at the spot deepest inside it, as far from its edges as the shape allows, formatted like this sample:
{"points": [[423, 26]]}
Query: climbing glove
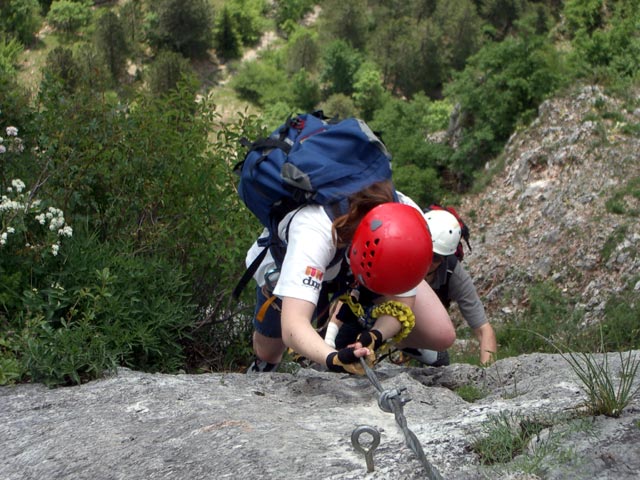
{"points": [[371, 339], [344, 361]]}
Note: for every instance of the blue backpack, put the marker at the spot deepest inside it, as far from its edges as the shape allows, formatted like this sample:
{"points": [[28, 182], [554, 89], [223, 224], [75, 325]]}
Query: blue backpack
{"points": [[307, 160]]}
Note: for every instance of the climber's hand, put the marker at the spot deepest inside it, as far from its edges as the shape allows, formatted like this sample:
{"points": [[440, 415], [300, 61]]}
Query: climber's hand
{"points": [[372, 340], [347, 360]]}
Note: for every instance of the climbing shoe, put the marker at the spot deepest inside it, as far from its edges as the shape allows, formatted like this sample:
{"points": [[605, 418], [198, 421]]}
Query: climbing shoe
{"points": [[428, 357], [260, 366]]}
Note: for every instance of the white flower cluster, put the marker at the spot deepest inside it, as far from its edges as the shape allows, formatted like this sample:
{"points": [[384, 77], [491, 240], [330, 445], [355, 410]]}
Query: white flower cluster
{"points": [[11, 208], [15, 145]]}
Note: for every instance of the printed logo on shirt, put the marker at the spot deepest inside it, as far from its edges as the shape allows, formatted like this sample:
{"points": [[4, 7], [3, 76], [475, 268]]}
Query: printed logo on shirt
{"points": [[313, 278]]}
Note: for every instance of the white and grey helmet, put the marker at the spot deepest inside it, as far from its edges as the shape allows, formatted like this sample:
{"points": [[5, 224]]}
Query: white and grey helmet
{"points": [[445, 231]]}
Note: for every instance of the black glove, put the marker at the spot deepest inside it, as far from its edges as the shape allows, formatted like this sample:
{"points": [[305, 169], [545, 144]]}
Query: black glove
{"points": [[371, 339], [344, 361]]}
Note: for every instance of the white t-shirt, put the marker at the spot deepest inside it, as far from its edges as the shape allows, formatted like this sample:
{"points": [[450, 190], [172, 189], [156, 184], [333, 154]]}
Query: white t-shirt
{"points": [[310, 250]]}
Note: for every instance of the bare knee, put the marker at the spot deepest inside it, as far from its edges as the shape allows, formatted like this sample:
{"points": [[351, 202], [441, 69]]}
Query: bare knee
{"points": [[267, 348]]}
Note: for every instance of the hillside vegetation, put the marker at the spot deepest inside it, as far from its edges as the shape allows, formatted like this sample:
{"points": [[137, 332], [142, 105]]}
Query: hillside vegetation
{"points": [[121, 234]]}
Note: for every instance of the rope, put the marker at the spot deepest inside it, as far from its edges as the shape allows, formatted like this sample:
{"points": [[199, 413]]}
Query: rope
{"points": [[392, 401]]}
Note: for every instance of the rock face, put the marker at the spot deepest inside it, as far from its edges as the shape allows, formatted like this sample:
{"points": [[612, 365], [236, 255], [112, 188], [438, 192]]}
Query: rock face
{"points": [[549, 214], [279, 425]]}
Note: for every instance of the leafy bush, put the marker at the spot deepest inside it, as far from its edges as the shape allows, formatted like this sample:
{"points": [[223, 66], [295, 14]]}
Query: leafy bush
{"points": [[182, 25], [69, 16], [261, 83], [167, 71], [21, 18], [10, 49], [95, 309], [502, 85]]}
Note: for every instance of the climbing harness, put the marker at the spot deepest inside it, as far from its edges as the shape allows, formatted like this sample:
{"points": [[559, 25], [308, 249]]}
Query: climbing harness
{"points": [[393, 401]]}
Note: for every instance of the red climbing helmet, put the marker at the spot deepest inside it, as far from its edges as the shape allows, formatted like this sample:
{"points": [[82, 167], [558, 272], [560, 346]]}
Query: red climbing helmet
{"points": [[391, 249]]}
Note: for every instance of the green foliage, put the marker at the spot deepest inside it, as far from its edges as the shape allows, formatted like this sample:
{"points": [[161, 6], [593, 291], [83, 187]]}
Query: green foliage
{"points": [[417, 162], [61, 67], [605, 38], [584, 15], [20, 18], [182, 25], [261, 83], [248, 18], [10, 50], [346, 21], [111, 42], [623, 200], [470, 393], [368, 91], [459, 25], [69, 16], [605, 395], [502, 85], [502, 15], [340, 64], [339, 105], [550, 317], [303, 51], [99, 308], [131, 16], [421, 184], [167, 71], [227, 36], [291, 11], [620, 328], [504, 436], [306, 91]]}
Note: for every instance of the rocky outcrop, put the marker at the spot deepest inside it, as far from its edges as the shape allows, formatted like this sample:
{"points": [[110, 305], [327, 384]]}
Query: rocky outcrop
{"points": [[545, 215], [210, 426]]}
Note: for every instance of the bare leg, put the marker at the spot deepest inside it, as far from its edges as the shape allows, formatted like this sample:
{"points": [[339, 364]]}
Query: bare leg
{"points": [[267, 348]]}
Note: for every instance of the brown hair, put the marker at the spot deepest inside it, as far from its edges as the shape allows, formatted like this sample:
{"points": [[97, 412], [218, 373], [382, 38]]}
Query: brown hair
{"points": [[360, 203]]}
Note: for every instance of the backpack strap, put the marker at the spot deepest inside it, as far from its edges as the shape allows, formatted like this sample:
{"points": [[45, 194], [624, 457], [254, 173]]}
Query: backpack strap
{"points": [[443, 290]]}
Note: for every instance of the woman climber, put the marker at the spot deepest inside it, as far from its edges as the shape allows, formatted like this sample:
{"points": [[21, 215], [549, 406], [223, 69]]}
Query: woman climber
{"points": [[378, 254]]}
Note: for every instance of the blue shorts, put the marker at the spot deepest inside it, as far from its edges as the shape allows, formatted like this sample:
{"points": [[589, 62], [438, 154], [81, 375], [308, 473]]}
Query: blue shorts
{"points": [[270, 325]]}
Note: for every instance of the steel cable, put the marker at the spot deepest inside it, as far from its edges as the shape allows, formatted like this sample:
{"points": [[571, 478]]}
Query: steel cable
{"points": [[391, 401]]}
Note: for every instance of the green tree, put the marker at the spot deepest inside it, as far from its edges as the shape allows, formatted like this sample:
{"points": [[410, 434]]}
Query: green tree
{"points": [[291, 11], [61, 67], [339, 105], [68, 16], [20, 18], [132, 17], [168, 69], [261, 83], [248, 17], [10, 50], [460, 26], [111, 43], [346, 21], [502, 85], [341, 62], [584, 15], [368, 89], [228, 40], [502, 15], [303, 51], [184, 26], [306, 91], [391, 46]]}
